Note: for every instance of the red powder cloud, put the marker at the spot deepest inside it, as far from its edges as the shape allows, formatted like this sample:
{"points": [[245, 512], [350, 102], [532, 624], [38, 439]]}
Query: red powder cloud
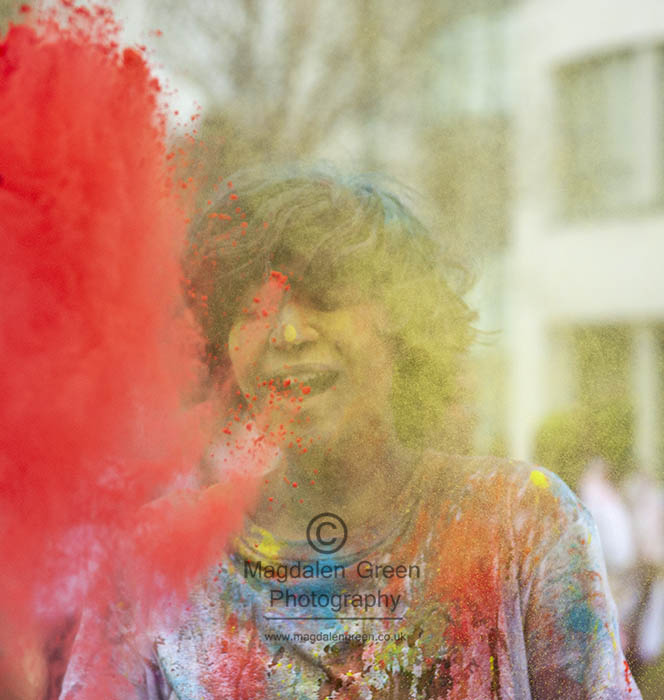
{"points": [[97, 352]]}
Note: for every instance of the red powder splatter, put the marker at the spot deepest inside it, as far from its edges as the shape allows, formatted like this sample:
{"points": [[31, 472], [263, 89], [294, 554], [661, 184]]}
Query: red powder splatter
{"points": [[97, 350], [280, 279], [237, 670], [628, 676]]}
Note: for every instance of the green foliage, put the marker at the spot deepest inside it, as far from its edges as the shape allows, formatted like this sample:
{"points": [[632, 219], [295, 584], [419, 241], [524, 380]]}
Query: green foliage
{"points": [[8, 12], [602, 358], [567, 440]]}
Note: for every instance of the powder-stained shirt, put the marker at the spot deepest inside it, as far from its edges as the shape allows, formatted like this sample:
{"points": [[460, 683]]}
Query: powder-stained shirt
{"points": [[489, 585]]}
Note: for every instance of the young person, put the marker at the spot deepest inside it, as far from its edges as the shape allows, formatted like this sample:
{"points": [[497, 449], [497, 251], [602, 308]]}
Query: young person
{"points": [[376, 563]]}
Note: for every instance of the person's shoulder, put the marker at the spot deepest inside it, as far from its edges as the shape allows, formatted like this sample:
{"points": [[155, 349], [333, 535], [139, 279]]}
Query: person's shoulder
{"points": [[453, 472], [521, 510], [501, 485]]}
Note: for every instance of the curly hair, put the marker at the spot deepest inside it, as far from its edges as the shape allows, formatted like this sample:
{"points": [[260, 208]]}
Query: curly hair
{"points": [[350, 237]]}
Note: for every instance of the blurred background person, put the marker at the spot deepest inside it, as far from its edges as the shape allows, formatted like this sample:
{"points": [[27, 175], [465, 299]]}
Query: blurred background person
{"points": [[619, 543], [645, 497]]}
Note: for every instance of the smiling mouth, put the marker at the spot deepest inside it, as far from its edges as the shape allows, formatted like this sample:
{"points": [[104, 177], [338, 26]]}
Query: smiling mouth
{"points": [[307, 382]]}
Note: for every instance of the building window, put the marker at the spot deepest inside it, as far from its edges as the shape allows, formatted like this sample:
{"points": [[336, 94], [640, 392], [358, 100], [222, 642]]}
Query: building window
{"points": [[473, 66], [611, 129]]}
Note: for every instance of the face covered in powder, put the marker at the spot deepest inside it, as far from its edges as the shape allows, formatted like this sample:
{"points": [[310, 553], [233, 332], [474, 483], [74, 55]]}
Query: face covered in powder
{"points": [[315, 357], [329, 304]]}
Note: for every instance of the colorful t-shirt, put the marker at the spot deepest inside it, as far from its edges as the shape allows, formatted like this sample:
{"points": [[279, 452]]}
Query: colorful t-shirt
{"points": [[489, 585]]}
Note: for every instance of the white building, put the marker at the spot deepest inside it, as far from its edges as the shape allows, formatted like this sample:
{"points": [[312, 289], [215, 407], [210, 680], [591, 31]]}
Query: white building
{"points": [[587, 246]]}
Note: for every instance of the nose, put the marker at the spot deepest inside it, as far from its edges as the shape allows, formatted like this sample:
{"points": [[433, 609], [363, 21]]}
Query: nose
{"points": [[295, 326]]}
